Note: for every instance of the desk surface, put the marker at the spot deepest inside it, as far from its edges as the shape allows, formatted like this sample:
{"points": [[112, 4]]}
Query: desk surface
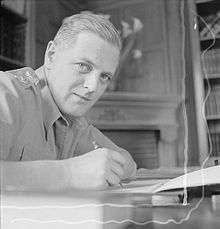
{"points": [[90, 210]]}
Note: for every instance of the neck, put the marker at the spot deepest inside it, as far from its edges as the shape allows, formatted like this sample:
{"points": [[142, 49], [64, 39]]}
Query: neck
{"points": [[42, 72]]}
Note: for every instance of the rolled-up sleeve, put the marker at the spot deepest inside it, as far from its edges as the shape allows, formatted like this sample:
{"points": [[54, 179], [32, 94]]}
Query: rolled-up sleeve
{"points": [[9, 114]]}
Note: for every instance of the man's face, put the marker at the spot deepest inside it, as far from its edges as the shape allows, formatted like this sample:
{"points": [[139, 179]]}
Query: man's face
{"points": [[78, 75]]}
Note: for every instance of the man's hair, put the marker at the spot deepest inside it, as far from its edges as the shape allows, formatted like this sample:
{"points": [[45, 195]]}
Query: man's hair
{"points": [[87, 22]]}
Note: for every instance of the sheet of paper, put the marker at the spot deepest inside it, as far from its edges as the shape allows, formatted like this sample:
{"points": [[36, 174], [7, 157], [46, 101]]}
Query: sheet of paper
{"points": [[202, 177], [138, 186], [207, 176], [163, 172]]}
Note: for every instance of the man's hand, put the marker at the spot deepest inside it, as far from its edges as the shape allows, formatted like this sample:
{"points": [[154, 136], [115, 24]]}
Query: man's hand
{"points": [[130, 167], [95, 170]]}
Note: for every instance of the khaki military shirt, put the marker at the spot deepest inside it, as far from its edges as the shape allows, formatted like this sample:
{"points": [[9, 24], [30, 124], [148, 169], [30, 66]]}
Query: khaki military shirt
{"points": [[32, 127]]}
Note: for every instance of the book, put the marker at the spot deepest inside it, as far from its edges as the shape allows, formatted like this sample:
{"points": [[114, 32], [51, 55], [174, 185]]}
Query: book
{"points": [[213, 101], [211, 27], [211, 62]]}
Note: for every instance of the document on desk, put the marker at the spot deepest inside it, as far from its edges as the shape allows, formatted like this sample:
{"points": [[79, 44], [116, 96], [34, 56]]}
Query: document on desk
{"points": [[138, 186], [201, 177]]}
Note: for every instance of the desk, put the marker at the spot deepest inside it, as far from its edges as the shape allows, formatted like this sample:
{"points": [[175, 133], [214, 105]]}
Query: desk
{"points": [[202, 214], [79, 210]]}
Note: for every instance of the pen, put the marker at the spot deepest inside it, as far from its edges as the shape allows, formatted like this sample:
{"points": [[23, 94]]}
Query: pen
{"points": [[121, 185], [96, 146]]}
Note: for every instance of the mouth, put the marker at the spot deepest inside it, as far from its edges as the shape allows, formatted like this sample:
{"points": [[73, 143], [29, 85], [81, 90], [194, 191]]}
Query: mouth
{"points": [[82, 97]]}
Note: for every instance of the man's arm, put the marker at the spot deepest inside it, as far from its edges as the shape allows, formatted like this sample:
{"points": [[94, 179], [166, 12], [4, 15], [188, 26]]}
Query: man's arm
{"points": [[34, 175], [94, 170]]}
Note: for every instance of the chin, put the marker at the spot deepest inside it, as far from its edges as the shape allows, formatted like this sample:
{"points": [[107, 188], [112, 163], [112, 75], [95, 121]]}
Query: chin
{"points": [[75, 110]]}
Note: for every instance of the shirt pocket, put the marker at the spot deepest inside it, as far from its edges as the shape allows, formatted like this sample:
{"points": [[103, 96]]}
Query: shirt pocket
{"points": [[27, 151], [24, 152], [33, 153], [16, 153], [30, 153]]}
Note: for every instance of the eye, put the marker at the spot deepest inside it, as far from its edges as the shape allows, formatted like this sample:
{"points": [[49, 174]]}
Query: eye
{"points": [[105, 77], [83, 67]]}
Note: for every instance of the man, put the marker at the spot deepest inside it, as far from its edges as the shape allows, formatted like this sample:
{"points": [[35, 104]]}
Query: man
{"points": [[46, 144]]}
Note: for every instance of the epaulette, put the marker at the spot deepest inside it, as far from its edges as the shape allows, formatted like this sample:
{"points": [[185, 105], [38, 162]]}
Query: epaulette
{"points": [[26, 76]]}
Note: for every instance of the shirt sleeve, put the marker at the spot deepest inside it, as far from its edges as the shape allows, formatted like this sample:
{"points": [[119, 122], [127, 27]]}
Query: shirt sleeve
{"points": [[9, 114]]}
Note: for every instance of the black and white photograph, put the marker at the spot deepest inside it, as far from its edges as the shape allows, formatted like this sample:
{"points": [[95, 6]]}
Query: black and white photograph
{"points": [[110, 114]]}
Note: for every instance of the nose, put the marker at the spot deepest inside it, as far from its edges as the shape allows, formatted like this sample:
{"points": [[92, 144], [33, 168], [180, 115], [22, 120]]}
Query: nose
{"points": [[91, 82]]}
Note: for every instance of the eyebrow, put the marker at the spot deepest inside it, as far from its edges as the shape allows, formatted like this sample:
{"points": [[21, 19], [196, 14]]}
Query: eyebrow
{"points": [[110, 74]]}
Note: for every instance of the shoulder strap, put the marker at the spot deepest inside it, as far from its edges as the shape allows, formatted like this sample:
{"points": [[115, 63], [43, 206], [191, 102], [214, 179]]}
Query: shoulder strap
{"points": [[26, 76]]}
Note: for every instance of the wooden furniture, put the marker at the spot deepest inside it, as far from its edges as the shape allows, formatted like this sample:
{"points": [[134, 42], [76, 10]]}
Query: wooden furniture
{"points": [[12, 40], [204, 58], [17, 39], [96, 210], [209, 37], [144, 124], [199, 213]]}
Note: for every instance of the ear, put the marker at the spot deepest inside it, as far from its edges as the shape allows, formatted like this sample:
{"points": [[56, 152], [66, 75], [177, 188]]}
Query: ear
{"points": [[49, 54]]}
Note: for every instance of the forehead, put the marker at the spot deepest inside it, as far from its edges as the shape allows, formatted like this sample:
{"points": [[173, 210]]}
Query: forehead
{"points": [[94, 48]]}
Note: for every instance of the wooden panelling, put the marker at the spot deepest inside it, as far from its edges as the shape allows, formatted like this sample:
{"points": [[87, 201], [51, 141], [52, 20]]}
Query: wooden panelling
{"points": [[142, 144], [131, 113]]}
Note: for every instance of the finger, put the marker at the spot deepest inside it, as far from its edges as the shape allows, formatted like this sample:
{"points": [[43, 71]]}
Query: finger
{"points": [[116, 156], [112, 178], [117, 168], [130, 170]]}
